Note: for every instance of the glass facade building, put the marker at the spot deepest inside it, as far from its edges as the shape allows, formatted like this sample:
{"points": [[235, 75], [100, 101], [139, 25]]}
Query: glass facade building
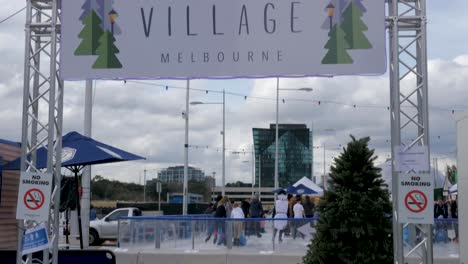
{"points": [[294, 154]]}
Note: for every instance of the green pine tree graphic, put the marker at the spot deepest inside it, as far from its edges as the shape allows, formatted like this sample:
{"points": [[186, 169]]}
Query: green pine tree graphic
{"points": [[106, 52], [354, 28], [337, 46], [89, 35]]}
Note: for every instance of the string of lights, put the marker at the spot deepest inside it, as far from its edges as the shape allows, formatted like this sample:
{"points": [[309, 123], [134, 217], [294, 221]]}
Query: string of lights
{"points": [[316, 102], [12, 15], [334, 146]]}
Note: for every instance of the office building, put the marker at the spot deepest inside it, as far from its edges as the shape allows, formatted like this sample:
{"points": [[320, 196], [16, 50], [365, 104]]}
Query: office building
{"points": [[175, 174], [294, 154]]}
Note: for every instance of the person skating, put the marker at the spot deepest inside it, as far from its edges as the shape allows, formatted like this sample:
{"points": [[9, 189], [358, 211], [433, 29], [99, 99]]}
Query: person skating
{"points": [[221, 224], [454, 214], [245, 205], [280, 211], [215, 223], [237, 213], [256, 211], [211, 212], [298, 210]]}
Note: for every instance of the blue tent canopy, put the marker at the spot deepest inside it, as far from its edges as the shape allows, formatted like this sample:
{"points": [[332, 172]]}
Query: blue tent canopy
{"points": [[78, 150], [299, 189], [288, 189], [302, 189]]}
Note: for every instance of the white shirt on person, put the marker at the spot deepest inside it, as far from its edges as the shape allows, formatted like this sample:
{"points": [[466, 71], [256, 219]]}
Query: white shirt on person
{"points": [[237, 213], [298, 210]]}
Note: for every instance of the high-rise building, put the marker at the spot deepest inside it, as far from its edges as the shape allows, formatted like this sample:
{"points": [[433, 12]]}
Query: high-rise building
{"points": [[176, 174], [294, 154]]}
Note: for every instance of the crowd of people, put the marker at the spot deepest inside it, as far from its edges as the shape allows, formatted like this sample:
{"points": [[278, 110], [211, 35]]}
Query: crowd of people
{"points": [[286, 206], [444, 210]]}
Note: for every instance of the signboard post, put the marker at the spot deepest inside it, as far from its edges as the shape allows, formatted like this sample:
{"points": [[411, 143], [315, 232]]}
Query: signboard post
{"points": [[416, 186], [164, 39], [34, 196]]}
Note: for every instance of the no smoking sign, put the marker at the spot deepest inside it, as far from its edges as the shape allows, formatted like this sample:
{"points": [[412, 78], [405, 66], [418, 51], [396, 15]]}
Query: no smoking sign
{"points": [[34, 199], [34, 196], [415, 192], [416, 201]]}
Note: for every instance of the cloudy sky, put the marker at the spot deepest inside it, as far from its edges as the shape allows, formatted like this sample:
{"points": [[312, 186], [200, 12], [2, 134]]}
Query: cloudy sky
{"points": [[146, 119]]}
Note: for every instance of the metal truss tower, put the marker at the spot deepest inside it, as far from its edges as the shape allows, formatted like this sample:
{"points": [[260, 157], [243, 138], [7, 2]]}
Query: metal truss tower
{"points": [[406, 22], [43, 103], [42, 109]]}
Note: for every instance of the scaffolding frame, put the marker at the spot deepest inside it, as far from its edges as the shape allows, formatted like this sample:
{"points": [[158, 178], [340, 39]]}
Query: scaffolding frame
{"points": [[42, 115], [409, 114], [42, 110]]}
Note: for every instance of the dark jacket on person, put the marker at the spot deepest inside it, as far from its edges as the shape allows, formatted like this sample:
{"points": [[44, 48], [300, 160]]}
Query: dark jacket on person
{"points": [[440, 210], [220, 212], [256, 209], [454, 209], [309, 208], [245, 208]]}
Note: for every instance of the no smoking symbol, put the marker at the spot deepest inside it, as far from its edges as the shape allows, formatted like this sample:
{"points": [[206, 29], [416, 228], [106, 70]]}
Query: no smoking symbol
{"points": [[416, 201], [33, 199]]}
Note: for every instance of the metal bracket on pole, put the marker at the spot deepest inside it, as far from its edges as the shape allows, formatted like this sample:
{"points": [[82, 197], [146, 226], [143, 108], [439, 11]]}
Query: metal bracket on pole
{"points": [[408, 106]]}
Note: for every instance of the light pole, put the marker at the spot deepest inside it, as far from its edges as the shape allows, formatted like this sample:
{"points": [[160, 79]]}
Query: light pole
{"points": [[324, 168], [260, 177], [323, 146], [312, 153], [325, 187], [144, 185], [305, 89], [223, 179], [186, 157]]}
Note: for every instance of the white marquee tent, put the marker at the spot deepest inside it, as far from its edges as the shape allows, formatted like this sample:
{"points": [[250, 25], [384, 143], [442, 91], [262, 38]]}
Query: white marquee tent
{"points": [[309, 184]]}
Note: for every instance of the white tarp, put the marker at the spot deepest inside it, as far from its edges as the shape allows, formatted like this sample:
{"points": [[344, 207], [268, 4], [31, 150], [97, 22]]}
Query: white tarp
{"points": [[309, 184], [453, 189], [120, 39]]}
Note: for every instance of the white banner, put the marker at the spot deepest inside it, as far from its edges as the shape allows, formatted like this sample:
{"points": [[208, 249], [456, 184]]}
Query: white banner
{"points": [[413, 160], [123, 39]]}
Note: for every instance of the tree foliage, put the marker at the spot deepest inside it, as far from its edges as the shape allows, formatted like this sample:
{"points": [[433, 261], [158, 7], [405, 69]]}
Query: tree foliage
{"points": [[238, 184], [104, 189], [451, 172], [355, 224]]}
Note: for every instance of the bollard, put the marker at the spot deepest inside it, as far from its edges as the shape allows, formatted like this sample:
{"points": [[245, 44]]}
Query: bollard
{"points": [[193, 234], [118, 233], [228, 234], [132, 233]]}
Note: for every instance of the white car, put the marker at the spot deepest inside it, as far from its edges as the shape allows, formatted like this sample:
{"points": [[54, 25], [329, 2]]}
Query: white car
{"points": [[107, 227]]}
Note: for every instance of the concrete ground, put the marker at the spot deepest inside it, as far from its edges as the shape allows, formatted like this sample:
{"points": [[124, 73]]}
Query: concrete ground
{"points": [[223, 257]]}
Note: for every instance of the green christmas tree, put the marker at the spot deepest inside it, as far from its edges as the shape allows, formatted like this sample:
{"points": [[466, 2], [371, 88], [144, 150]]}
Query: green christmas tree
{"points": [[106, 52], [89, 35], [355, 224], [337, 46], [354, 28]]}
